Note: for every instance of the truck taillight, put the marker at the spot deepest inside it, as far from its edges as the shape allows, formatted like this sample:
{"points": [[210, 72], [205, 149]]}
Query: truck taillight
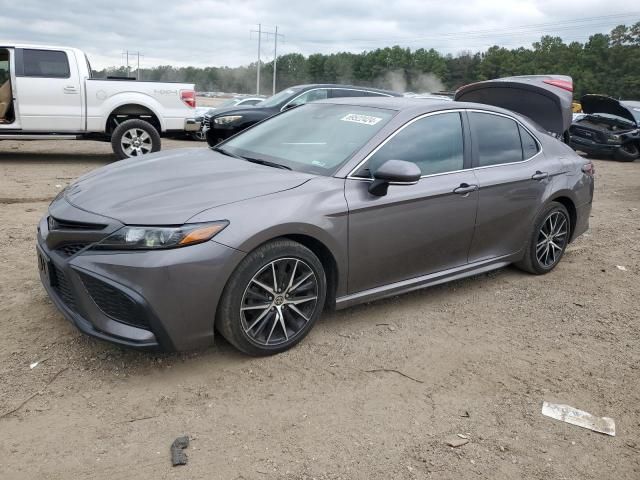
{"points": [[188, 97]]}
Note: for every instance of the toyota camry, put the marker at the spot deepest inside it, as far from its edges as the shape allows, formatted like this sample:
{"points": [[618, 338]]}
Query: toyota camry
{"points": [[323, 206]]}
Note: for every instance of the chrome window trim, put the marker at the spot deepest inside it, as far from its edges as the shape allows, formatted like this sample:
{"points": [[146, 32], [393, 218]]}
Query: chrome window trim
{"points": [[332, 88], [439, 112]]}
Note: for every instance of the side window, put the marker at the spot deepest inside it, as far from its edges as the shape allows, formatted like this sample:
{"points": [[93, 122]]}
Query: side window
{"points": [[434, 143], [45, 63], [497, 138], [529, 144], [310, 96]]}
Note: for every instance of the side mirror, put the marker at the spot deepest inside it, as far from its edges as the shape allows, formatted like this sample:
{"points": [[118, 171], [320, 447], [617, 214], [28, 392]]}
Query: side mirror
{"points": [[394, 171]]}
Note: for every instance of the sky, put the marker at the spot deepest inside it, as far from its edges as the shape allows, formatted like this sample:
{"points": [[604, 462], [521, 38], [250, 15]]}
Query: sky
{"points": [[218, 32]]}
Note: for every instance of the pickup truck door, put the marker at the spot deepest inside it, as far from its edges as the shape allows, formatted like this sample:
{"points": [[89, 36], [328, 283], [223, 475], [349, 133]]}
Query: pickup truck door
{"points": [[48, 90]]}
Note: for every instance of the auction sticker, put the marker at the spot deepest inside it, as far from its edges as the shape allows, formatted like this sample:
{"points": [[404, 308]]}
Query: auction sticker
{"points": [[357, 118]]}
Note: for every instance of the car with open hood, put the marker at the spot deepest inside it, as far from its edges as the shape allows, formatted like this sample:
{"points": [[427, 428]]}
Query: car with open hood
{"points": [[226, 122], [327, 205], [607, 127]]}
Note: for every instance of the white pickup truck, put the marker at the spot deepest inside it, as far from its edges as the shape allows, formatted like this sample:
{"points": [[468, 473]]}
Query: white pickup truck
{"points": [[47, 93]]}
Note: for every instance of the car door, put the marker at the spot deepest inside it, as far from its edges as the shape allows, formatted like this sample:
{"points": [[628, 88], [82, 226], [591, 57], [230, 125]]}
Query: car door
{"points": [[417, 229], [513, 175], [48, 89]]}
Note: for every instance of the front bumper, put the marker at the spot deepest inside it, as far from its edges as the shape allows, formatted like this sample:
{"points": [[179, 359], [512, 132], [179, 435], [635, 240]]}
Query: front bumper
{"points": [[164, 300], [592, 147], [192, 124]]}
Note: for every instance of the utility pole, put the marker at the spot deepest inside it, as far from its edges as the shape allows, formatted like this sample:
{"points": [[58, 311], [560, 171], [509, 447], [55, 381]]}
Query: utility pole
{"points": [[275, 59], [259, 46], [261, 32], [126, 54]]}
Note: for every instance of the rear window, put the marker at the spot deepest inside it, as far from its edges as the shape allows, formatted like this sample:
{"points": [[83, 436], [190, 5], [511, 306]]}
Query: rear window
{"points": [[45, 63]]}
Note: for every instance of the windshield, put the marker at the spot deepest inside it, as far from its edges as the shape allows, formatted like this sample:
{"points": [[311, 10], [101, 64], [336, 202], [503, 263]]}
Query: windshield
{"points": [[279, 97], [313, 138]]}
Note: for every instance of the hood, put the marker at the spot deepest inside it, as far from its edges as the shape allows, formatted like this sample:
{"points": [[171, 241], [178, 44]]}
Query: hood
{"points": [[545, 99], [169, 188], [603, 104]]}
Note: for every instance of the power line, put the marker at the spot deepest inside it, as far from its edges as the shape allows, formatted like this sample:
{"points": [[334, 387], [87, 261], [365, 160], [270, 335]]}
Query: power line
{"points": [[527, 28]]}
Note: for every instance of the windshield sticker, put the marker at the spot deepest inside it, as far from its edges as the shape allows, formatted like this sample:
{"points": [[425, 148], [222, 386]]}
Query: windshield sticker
{"points": [[364, 119]]}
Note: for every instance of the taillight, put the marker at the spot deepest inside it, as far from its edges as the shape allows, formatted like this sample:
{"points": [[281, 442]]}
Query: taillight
{"points": [[188, 97], [564, 84], [589, 169]]}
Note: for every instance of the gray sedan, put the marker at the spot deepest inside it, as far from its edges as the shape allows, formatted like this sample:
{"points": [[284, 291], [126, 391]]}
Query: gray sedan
{"points": [[326, 205]]}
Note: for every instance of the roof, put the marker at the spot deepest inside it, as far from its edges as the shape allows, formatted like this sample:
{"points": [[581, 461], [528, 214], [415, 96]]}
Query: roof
{"points": [[337, 85], [42, 46], [416, 105]]}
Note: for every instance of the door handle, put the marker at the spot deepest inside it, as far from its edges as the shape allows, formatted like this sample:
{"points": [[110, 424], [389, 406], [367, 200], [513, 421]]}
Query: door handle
{"points": [[465, 188], [70, 89], [539, 175]]}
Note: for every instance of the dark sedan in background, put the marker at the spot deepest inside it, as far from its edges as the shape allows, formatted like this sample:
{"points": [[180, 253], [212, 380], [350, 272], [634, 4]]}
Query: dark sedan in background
{"points": [[331, 204], [608, 127], [223, 123]]}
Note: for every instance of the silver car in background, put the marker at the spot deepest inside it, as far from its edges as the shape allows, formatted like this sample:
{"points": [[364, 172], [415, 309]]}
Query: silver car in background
{"points": [[326, 205]]}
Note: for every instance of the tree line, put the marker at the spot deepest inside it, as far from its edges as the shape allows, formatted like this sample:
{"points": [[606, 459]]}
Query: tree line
{"points": [[606, 63]]}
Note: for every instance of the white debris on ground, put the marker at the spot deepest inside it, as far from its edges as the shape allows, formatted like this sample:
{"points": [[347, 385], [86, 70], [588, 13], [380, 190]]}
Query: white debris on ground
{"points": [[580, 418]]}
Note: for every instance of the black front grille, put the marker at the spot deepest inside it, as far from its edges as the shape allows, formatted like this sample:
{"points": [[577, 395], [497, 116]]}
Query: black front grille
{"points": [[59, 224], [114, 303], [70, 249], [62, 286]]}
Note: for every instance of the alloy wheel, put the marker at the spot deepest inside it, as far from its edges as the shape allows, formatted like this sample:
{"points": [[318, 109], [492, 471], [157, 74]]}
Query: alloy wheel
{"points": [[279, 301], [136, 142], [552, 239]]}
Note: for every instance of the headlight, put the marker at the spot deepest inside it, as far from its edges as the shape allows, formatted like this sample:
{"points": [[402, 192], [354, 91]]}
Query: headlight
{"points": [[614, 138], [226, 120], [155, 238]]}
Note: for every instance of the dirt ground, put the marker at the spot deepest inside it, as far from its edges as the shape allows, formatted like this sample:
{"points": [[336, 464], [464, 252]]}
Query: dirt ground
{"points": [[479, 355]]}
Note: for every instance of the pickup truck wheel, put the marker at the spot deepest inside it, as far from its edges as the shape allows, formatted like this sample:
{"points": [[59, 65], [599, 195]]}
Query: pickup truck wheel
{"points": [[134, 138], [627, 153]]}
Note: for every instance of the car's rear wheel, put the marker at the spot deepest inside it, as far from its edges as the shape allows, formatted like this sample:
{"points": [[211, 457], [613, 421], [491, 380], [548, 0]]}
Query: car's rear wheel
{"points": [[135, 138], [550, 237], [273, 298], [627, 153]]}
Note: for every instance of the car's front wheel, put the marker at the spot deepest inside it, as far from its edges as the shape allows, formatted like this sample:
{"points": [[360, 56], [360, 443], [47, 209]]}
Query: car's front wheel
{"points": [[273, 298], [547, 243]]}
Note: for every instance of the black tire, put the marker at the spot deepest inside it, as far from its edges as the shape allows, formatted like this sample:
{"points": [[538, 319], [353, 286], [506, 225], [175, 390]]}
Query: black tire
{"points": [[149, 139], [531, 262], [198, 136], [627, 153], [232, 318]]}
